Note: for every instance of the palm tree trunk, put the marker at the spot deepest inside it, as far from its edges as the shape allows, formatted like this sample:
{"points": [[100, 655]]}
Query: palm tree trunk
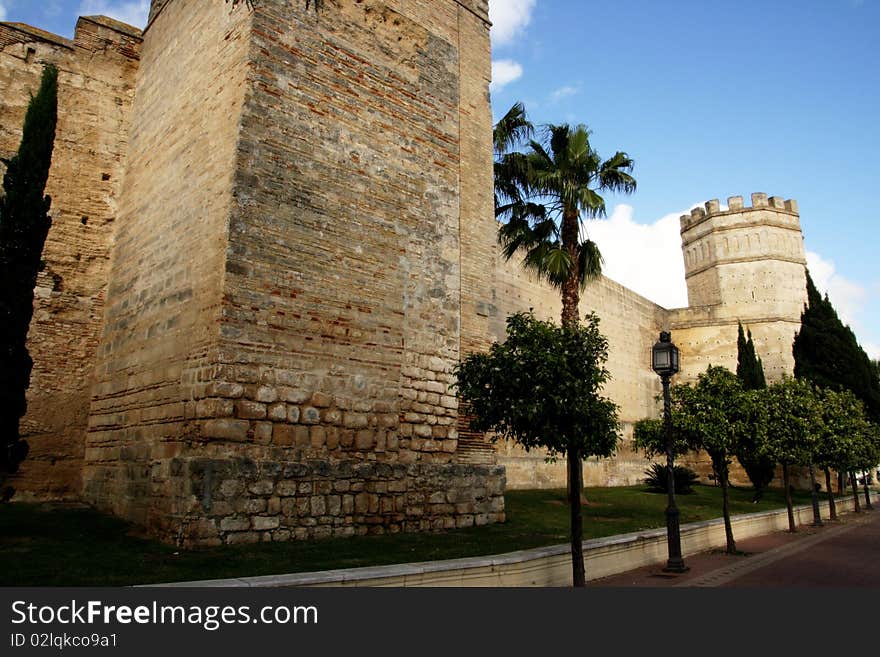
{"points": [[785, 482], [725, 505], [832, 509], [578, 575], [855, 490], [571, 289]]}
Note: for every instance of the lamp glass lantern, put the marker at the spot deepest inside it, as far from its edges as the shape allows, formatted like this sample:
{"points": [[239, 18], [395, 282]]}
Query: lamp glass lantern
{"points": [[664, 356]]}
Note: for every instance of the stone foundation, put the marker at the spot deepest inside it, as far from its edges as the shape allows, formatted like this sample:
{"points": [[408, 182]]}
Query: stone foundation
{"points": [[239, 500]]}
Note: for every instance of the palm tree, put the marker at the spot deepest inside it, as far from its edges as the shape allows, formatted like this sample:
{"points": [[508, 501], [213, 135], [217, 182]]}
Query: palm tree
{"points": [[542, 196]]}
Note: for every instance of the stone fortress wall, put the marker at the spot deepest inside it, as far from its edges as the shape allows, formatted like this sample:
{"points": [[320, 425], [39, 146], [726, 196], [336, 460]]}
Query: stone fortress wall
{"points": [[96, 81], [297, 248]]}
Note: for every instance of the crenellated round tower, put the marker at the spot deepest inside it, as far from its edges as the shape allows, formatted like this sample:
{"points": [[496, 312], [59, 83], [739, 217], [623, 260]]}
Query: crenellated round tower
{"points": [[745, 259], [743, 264]]}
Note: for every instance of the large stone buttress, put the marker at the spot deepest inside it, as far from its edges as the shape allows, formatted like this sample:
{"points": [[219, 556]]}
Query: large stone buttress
{"points": [[289, 273]]}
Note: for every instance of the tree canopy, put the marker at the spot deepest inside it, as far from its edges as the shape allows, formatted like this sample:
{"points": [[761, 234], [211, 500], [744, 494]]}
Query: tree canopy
{"points": [[750, 370], [827, 353], [542, 387], [715, 414], [542, 196]]}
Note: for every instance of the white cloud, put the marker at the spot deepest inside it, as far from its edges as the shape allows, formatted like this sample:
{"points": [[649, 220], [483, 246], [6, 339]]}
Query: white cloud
{"points": [[504, 71], [133, 12], [509, 18], [847, 297], [2, 10], [563, 92], [643, 257], [872, 349]]}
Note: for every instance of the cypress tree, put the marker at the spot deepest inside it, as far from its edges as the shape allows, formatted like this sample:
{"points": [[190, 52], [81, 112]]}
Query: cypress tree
{"points": [[24, 224], [750, 371], [827, 353]]}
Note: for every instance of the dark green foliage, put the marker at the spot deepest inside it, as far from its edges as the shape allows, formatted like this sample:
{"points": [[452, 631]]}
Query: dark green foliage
{"points": [[685, 478], [749, 367], [649, 436], [542, 387], [750, 371], [827, 353], [542, 196], [24, 224]]}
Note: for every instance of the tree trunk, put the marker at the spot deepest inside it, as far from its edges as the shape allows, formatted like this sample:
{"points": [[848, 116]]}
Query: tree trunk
{"points": [[785, 482], [568, 481], [841, 483], [868, 504], [571, 289], [855, 491], [577, 521], [832, 509], [725, 506], [814, 497]]}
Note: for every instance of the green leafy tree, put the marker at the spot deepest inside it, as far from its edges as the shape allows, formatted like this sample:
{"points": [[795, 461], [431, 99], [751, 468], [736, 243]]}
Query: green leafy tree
{"points": [[24, 225], [827, 353], [542, 388], [750, 371], [650, 437], [842, 422], [715, 414], [793, 424], [542, 196], [864, 457]]}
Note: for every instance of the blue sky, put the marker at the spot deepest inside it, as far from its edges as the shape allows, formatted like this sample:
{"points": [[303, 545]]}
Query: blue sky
{"points": [[711, 99]]}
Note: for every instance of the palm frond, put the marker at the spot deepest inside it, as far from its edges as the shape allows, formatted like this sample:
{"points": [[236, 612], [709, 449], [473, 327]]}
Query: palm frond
{"points": [[590, 261], [512, 129]]}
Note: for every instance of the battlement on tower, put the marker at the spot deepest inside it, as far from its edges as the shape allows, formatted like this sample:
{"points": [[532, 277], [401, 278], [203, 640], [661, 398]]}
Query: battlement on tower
{"points": [[760, 201]]}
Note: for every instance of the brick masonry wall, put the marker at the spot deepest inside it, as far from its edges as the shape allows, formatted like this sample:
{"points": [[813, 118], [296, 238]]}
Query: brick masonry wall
{"points": [[338, 136], [160, 339], [96, 86]]}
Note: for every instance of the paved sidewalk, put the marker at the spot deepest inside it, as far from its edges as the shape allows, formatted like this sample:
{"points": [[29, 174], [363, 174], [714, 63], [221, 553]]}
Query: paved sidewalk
{"points": [[844, 553]]}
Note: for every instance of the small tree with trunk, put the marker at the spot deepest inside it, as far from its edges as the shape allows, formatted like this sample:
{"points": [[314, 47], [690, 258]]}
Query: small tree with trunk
{"points": [[843, 417], [24, 225], [794, 421], [750, 371], [715, 414], [542, 388]]}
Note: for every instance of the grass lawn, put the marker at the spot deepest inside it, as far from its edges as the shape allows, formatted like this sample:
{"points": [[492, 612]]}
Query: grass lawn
{"points": [[46, 545]]}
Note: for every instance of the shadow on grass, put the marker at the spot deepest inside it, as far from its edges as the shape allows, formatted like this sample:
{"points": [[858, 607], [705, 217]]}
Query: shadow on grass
{"points": [[64, 545]]}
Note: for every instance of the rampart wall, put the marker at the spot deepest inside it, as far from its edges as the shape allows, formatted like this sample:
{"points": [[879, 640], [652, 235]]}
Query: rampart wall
{"points": [[96, 79]]}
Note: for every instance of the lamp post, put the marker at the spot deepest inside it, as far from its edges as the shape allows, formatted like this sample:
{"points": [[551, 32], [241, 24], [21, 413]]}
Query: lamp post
{"points": [[664, 361]]}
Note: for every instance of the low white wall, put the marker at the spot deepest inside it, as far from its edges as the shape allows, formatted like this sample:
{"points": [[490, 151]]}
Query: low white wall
{"points": [[548, 566]]}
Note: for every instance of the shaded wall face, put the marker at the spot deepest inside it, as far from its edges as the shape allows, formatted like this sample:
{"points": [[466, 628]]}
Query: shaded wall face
{"points": [[96, 86], [159, 343]]}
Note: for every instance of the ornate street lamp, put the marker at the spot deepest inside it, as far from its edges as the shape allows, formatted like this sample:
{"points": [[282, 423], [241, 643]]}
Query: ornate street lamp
{"points": [[664, 361]]}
